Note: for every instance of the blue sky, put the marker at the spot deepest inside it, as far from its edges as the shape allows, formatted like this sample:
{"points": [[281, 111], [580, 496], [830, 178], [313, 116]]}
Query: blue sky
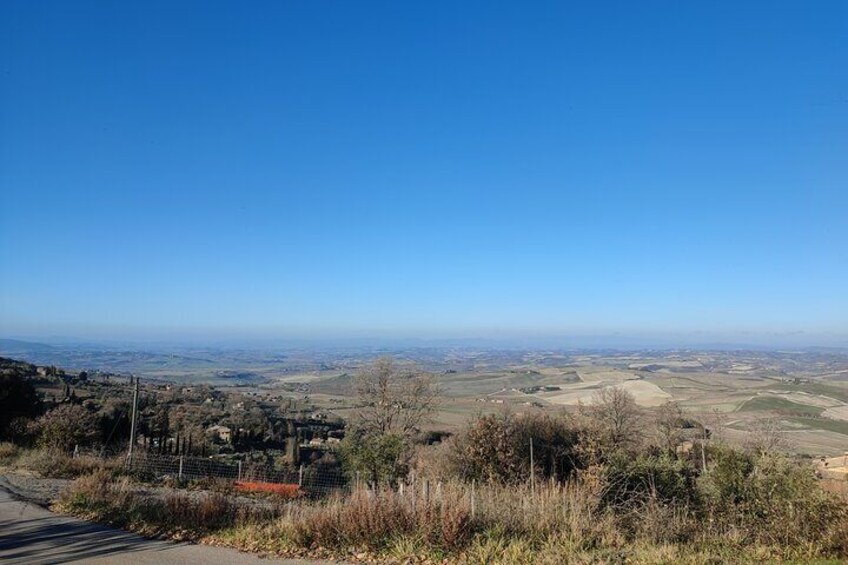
{"points": [[432, 168]]}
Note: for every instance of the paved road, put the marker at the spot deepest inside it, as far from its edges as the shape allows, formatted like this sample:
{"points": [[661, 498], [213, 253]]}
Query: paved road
{"points": [[30, 534]]}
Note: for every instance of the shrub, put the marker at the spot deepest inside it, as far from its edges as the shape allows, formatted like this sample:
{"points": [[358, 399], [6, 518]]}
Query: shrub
{"points": [[208, 511], [491, 450], [68, 425], [649, 477], [497, 448], [8, 452], [775, 501], [375, 458], [96, 496]]}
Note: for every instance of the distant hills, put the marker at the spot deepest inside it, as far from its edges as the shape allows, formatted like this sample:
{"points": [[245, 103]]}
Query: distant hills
{"points": [[13, 346]]}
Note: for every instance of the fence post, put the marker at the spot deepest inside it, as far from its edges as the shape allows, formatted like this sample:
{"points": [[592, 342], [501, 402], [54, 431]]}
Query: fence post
{"points": [[300, 476], [76, 450], [532, 469], [473, 498], [181, 468], [425, 490], [439, 490], [239, 471]]}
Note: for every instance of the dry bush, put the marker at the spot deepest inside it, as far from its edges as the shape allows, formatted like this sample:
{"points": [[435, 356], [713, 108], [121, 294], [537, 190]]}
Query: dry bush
{"points": [[8, 452], [496, 448], [435, 462], [207, 511], [68, 425], [97, 496]]}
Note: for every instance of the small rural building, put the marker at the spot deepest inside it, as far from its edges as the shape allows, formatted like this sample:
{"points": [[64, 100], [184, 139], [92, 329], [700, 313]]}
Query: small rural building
{"points": [[223, 433]]}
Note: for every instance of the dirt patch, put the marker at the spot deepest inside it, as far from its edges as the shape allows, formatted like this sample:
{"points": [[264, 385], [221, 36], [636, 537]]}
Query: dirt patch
{"points": [[806, 398], [644, 392], [837, 413], [838, 464]]}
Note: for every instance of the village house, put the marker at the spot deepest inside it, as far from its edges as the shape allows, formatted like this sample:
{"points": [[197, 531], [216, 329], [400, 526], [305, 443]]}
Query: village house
{"points": [[222, 433]]}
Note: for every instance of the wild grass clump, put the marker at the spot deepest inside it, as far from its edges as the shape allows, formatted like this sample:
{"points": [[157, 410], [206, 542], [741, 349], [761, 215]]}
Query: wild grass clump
{"points": [[377, 520], [55, 463], [98, 497], [8, 452]]}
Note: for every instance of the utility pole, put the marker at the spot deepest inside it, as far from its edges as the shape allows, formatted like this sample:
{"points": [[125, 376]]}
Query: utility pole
{"points": [[133, 423]]}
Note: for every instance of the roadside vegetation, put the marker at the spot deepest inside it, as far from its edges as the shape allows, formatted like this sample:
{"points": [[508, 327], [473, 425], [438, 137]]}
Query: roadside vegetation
{"points": [[649, 509], [608, 482]]}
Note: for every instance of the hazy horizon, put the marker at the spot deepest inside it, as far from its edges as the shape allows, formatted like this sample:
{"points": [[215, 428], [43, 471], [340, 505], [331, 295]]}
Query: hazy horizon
{"points": [[270, 340]]}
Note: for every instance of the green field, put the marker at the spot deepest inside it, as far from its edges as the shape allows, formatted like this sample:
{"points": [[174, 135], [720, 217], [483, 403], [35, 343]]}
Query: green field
{"points": [[837, 426], [778, 404], [833, 391]]}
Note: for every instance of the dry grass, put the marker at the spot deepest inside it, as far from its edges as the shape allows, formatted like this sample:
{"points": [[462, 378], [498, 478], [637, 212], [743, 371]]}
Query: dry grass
{"points": [[550, 524], [780, 516], [99, 497], [57, 464], [8, 452]]}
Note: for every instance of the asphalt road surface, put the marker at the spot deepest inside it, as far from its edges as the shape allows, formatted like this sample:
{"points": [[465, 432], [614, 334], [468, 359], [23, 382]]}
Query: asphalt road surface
{"points": [[30, 534]]}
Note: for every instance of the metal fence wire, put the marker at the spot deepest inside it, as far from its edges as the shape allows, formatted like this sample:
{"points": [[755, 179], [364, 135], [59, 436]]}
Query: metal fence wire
{"points": [[311, 479]]}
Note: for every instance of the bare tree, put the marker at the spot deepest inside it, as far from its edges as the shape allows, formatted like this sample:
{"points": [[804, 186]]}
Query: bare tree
{"points": [[393, 403], [766, 436], [668, 424], [614, 410], [393, 399]]}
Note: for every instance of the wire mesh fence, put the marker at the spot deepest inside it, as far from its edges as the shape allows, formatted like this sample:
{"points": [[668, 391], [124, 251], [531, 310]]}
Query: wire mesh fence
{"points": [[317, 481], [309, 479]]}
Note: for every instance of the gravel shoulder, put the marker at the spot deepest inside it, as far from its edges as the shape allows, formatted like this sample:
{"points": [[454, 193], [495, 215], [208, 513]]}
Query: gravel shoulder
{"points": [[37, 490]]}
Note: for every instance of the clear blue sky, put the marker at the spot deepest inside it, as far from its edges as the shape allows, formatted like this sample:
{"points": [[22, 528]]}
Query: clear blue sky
{"points": [[432, 168]]}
